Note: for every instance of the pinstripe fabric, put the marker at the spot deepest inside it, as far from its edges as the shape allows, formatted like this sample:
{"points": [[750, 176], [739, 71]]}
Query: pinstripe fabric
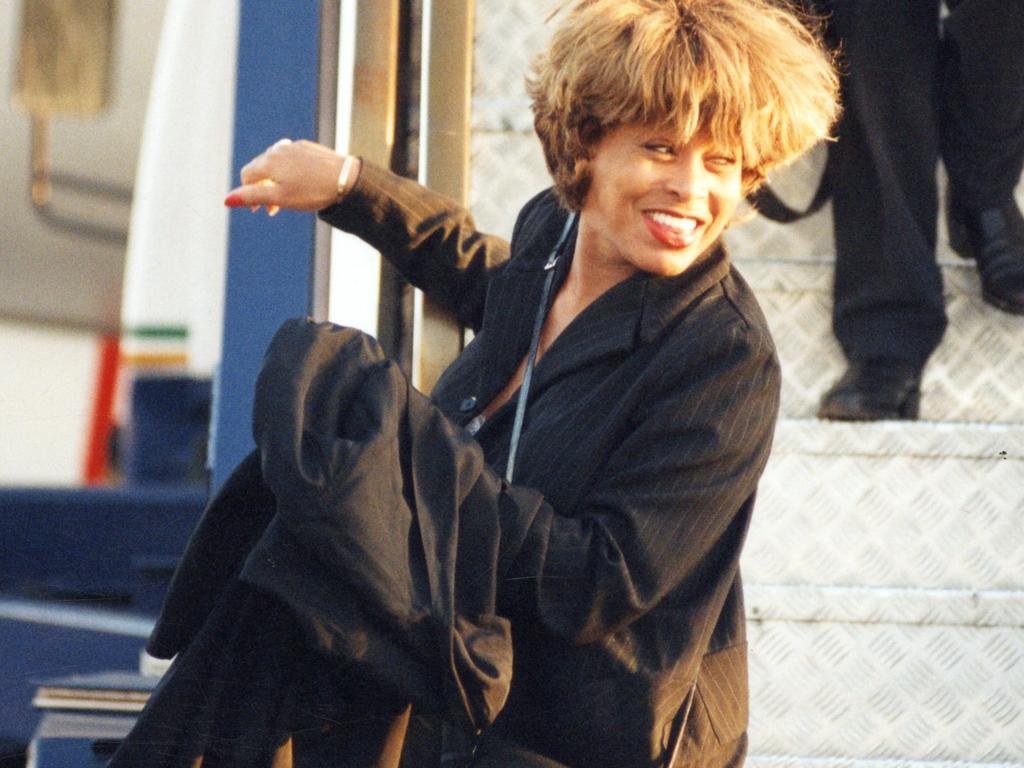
{"points": [[649, 423]]}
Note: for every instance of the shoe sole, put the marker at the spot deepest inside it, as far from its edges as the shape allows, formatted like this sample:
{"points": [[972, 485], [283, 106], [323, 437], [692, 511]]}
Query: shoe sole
{"points": [[908, 410]]}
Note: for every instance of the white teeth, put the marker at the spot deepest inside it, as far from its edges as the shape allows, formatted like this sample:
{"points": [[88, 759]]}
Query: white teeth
{"points": [[684, 225]]}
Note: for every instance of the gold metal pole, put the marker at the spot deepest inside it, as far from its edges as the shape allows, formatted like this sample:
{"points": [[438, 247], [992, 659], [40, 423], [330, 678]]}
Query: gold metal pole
{"points": [[375, 90], [447, 88]]}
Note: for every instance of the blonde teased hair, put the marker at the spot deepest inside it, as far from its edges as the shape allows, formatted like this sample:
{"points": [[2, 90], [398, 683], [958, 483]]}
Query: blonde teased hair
{"points": [[750, 74]]}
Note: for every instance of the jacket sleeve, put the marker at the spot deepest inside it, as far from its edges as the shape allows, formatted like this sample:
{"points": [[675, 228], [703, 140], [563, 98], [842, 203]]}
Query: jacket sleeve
{"points": [[668, 511], [429, 238]]}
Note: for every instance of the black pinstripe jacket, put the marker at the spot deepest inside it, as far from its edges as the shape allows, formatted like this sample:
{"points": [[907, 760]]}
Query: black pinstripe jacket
{"points": [[649, 423]]}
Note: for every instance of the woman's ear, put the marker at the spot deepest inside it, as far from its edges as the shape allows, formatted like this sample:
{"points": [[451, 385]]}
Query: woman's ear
{"points": [[579, 183]]}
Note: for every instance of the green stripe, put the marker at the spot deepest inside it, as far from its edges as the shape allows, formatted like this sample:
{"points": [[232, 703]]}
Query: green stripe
{"points": [[158, 332]]}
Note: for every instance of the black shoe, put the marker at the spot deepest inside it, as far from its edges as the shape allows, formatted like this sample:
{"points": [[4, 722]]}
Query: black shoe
{"points": [[873, 389], [994, 238]]}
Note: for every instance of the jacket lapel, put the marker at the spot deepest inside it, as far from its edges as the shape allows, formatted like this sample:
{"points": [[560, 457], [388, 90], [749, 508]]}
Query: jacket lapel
{"points": [[607, 327], [631, 313], [666, 298], [514, 294]]}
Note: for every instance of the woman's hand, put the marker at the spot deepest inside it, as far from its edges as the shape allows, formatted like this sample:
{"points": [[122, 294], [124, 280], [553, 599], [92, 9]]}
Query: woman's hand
{"points": [[299, 175]]}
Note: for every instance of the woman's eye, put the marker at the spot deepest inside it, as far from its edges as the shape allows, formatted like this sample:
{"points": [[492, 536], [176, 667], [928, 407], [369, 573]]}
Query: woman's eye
{"points": [[660, 149], [722, 160]]}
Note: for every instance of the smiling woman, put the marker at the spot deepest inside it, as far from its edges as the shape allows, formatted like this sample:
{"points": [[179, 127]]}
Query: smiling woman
{"points": [[656, 202], [540, 566]]}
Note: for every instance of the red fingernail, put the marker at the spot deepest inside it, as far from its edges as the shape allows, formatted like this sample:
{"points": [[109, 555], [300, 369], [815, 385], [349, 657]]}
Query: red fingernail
{"points": [[234, 201]]}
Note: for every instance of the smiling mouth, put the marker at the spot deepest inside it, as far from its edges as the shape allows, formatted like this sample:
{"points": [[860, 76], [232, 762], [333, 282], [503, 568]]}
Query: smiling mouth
{"points": [[672, 230]]}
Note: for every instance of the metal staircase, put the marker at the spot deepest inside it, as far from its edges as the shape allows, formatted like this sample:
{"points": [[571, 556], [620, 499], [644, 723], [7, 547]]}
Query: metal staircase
{"points": [[885, 568]]}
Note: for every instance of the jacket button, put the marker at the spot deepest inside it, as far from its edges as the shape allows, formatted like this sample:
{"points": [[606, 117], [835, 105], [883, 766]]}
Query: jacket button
{"points": [[467, 405]]}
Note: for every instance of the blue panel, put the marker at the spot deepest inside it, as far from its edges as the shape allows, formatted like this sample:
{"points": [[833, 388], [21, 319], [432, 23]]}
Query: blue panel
{"points": [[167, 433], [68, 753], [95, 541], [269, 259], [34, 651]]}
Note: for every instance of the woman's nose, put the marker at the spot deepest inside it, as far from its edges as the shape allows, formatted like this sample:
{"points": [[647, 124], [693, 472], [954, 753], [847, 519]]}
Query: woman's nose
{"points": [[688, 178]]}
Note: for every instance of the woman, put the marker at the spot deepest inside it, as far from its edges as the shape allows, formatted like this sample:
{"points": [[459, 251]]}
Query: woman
{"points": [[605, 571]]}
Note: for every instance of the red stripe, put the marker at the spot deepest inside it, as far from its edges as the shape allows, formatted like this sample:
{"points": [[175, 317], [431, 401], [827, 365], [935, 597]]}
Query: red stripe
{"points": [[96, 458]]}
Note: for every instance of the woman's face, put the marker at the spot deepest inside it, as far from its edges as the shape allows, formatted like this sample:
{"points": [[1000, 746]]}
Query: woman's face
{"points": [[655, 204]]}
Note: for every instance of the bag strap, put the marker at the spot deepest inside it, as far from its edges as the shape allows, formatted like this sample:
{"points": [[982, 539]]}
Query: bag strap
{"points": [[538, 325], [771, 206]]}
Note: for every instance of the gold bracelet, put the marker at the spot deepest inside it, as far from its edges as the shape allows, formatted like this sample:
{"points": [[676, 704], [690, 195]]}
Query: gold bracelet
{"points": [[343, 174]]}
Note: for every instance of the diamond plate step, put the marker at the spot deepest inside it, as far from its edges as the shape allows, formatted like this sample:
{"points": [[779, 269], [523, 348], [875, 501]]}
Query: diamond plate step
{"points": [[853, 690], [885, 596], [976, 374], [506, 170], [878, 605], [891, 504]]}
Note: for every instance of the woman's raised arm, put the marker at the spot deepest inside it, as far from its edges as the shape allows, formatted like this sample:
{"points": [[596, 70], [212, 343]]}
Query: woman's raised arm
{"points": [[428, 237]]}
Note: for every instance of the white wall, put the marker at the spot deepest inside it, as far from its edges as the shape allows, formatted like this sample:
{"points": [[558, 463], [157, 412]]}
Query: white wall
{"points": [[46, 396], [45, 273]]}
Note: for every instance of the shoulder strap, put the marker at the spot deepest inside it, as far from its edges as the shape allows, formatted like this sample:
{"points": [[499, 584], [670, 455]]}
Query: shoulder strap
{"points": [[538, 325], [771, 206]]}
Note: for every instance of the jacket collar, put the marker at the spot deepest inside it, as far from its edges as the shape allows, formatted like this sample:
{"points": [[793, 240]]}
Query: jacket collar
{"points": [[666, 298], [633, 312]]}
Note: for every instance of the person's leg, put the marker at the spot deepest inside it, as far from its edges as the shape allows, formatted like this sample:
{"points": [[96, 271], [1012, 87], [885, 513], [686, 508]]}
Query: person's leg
{"points": [[982, 131], [888, 289], [888, 307]]}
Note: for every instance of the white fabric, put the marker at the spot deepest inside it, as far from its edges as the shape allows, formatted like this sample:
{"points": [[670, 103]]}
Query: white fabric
{"points": [[177, 245]]}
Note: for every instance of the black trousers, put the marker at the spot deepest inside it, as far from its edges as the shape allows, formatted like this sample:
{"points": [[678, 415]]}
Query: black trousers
{"points": [[915, 90]]}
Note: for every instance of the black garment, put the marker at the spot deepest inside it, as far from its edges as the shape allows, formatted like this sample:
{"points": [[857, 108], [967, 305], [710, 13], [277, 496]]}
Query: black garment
{"points": [[614, 557], [913, 91], [355, 511]]}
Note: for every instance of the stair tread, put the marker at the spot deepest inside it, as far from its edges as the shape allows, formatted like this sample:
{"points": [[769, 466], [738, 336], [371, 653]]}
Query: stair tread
{"points": [[886, 605], [974, 375]]}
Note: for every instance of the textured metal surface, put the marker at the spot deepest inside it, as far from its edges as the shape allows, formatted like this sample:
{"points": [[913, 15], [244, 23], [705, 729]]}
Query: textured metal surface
{"points": [[507, 37], [1000, 608], [507, 167], [885, 592], [996, 442], [974, 375], [887, 691], [891, 505], [506, 171]]}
